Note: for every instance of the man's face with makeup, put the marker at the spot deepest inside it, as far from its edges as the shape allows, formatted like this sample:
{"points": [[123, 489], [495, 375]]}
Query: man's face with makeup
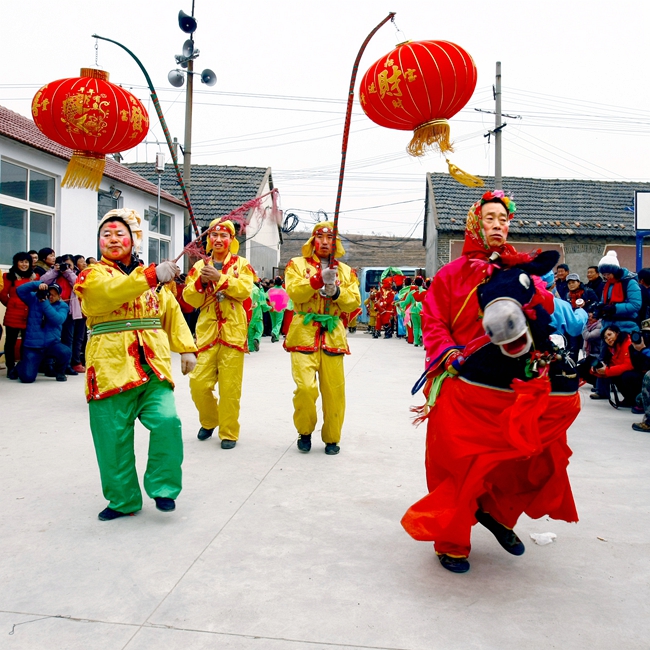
{"points": [[324, 243], [115, 242]]}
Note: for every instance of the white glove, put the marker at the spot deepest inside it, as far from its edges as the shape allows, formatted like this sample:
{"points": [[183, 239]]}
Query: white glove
{"points": [[329, 290], [329, 276], [167, 271], [188, 361]]}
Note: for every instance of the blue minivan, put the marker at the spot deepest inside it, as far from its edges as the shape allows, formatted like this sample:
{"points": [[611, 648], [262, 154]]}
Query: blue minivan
{"points": [[370, 276]]}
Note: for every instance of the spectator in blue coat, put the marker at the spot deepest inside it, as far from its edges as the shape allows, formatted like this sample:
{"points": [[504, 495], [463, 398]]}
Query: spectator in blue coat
{"points": [[564, 320], [47, 313], [621, 295]]}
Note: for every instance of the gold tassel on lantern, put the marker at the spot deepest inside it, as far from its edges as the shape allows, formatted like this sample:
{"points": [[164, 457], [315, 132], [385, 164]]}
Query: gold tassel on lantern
{"points": [[85, 170], [434, 133], [463, 177]]}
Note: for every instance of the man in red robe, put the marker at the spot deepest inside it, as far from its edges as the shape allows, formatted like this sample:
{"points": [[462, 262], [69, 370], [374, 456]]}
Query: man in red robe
{"points": [[491, 454], [386, 308]]}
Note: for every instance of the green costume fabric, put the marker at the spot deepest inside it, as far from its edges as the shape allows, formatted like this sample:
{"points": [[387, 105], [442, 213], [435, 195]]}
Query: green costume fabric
{"points": [[276, 322], [416, 318], [256, 326], [328, 321], [112, 425], [400, 305]]}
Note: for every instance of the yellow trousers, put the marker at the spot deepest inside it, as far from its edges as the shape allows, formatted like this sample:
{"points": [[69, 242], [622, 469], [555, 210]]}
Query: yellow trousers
{"points": [[225, 366], [331, 380]]}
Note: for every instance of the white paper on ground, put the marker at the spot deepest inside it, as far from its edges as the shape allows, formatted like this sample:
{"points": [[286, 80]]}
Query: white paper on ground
{"points": [[543, 538]]}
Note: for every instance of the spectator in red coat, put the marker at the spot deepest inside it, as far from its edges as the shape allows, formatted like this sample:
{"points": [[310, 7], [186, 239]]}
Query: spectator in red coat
{"points": [[616, 368], [15, 320]]}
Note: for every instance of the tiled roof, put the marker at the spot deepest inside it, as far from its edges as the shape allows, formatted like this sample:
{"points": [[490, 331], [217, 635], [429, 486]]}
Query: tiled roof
{"points": [[215, 190], [22, 129], [546, 206]]}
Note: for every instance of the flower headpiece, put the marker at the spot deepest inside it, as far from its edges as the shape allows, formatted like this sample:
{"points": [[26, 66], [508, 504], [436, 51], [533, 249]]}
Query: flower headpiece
{"points": [[499, 195]]}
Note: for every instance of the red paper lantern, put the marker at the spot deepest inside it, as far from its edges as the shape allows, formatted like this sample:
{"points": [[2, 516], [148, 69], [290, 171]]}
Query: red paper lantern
{"points": [[93, 117], [418, 87]]}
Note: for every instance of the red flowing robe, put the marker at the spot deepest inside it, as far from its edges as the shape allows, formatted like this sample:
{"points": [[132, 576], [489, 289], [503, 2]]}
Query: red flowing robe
{"points": [[385, 307], [502, 451]]}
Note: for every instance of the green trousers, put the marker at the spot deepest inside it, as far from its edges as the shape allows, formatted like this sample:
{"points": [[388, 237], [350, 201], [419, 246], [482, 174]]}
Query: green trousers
{"points": [[112, 423], [276, 322], [255, 331], [416, 322]]}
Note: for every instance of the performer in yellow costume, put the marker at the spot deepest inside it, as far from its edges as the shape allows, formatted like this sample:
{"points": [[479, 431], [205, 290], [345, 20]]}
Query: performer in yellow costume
{"points": [[218, 288], [132, 327], [323, 299]]}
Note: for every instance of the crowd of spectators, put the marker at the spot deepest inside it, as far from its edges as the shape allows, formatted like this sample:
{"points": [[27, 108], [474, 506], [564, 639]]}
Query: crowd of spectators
{"points": [[612, 350], [45, 330]]}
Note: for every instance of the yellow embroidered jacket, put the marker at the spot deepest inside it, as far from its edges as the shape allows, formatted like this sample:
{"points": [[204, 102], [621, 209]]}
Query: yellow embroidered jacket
{"points": [[223, 319], [113, 359], [302, 279]]}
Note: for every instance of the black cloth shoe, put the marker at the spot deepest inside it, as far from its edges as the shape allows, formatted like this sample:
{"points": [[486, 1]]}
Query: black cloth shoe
{"points": [[12, 373], [304, 443], [598, 396], [108, 514], [274, 338], [256, 345], [505, 536], [454, 564], [164, 504], [70, 371], [331, 449], [204, 433], [62, 377], [228, 444]]}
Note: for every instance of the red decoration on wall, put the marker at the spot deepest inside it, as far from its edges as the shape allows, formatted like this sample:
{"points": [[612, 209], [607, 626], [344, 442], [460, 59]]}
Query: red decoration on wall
{"points": [[418, 87], [93, 117]]}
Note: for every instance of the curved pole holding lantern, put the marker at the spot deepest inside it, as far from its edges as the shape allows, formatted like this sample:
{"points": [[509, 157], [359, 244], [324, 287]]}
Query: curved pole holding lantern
{"points": [[348, 115], [161, 117]]}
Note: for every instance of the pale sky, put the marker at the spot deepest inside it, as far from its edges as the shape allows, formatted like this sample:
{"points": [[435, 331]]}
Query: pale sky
{"points": [[574, 71]]}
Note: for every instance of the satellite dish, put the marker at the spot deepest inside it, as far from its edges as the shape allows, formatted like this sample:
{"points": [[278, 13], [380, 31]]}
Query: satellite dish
{"points": [[176, 78], [208, 77], [186, 23], [188, 48]]}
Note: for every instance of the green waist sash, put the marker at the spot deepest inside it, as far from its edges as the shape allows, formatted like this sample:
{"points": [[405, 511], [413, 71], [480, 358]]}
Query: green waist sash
{"points": [[125, 325], [328, 321]]}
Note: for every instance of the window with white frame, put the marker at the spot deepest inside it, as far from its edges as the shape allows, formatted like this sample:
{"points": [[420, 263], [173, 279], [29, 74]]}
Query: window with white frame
{"points": [[27, 202], [160, 235]]}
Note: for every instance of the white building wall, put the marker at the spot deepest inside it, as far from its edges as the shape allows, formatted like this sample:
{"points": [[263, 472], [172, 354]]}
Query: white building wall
{"points": [[75, 213]]}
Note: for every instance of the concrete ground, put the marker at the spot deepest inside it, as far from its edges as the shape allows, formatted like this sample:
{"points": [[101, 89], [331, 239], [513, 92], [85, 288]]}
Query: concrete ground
{"points": [[273, 549]]}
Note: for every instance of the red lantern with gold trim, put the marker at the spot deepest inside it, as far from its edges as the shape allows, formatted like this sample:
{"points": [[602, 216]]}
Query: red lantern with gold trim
{"points": [[93, 117], [418, 87]]}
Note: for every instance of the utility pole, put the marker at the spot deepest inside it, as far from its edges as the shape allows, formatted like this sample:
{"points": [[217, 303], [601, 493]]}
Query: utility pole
{"points": [[187, 147], [498, 176]]}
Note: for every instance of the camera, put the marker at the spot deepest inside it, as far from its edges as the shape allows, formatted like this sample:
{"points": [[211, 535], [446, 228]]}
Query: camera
{"points": [[637, 336], [601, 310], [598, 365], [42, 294]]}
